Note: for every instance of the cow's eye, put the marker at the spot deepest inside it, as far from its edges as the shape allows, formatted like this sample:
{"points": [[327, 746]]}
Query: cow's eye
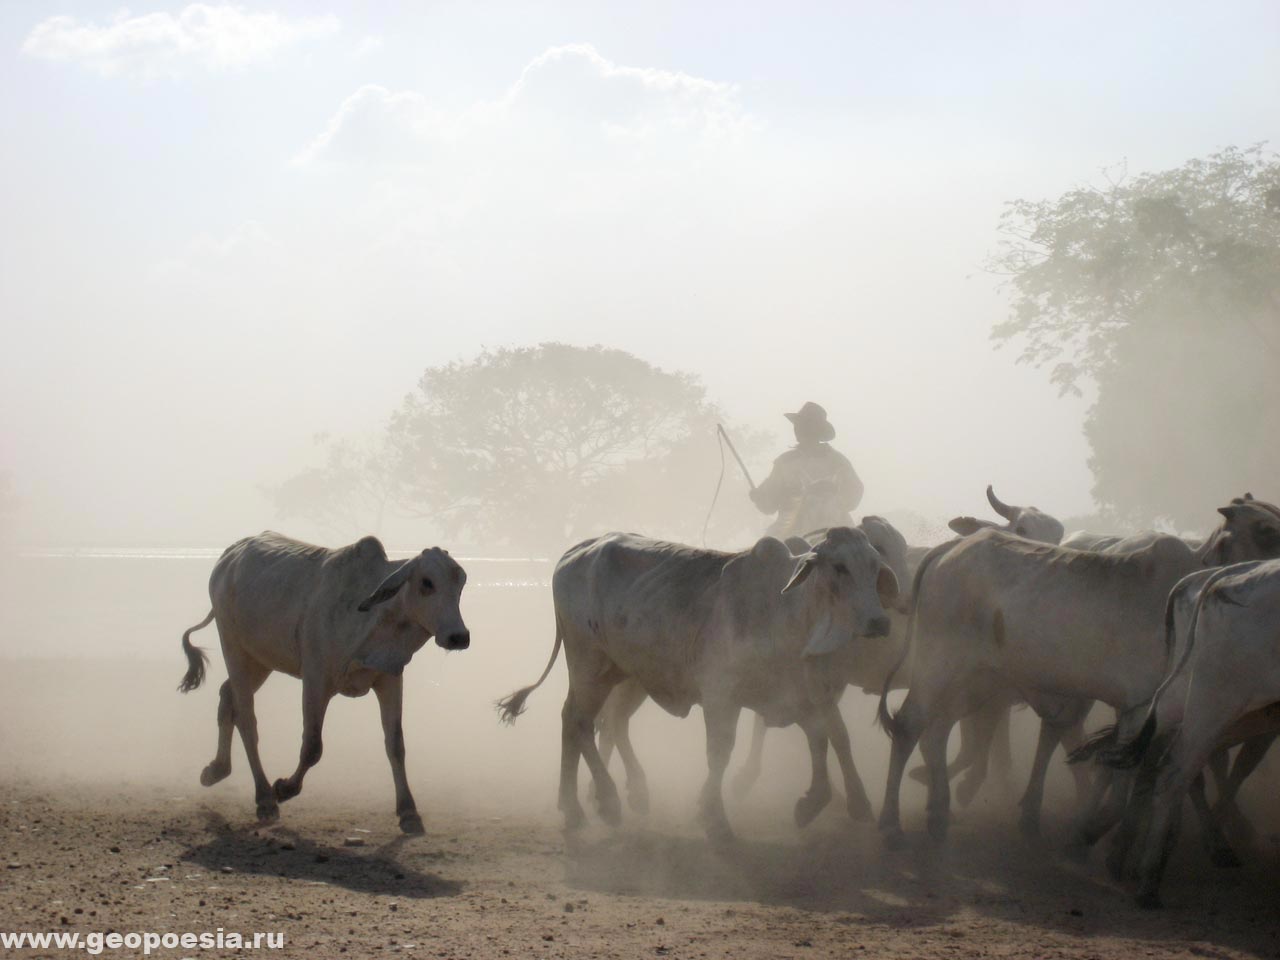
{"points": [[1020, 531], [841, 568], [427, 585]]}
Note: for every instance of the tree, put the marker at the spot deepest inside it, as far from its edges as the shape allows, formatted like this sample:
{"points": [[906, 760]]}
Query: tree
{"points": [[348, 496], [538, 446], [1162, 291], [533, 448]]}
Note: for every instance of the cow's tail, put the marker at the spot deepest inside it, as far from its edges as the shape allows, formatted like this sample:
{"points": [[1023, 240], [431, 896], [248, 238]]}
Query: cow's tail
{"points": [[512, 705], [1127, 755], [886, 720], [196, 657]]}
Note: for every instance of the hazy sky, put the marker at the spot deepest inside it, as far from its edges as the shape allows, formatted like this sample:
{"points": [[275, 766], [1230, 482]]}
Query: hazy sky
{"points": [[228, 228]]}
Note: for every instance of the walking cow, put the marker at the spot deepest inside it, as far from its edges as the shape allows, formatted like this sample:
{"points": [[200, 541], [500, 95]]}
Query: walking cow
{"points": [[344, 621], [724, 630]]}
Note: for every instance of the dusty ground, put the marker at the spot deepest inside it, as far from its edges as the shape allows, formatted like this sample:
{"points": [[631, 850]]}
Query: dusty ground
{"points": [[485, 885]]}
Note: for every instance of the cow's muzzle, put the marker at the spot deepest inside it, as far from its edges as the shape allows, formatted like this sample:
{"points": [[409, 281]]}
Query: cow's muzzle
{"points": [[878, 627], [458, 640]]}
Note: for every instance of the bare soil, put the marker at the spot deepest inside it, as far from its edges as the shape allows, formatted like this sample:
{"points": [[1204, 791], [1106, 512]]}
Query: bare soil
{"points": [[92, 858]]}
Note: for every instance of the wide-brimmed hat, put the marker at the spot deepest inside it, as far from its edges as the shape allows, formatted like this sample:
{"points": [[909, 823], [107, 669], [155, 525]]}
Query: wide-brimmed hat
{"points": [[812, 419]]}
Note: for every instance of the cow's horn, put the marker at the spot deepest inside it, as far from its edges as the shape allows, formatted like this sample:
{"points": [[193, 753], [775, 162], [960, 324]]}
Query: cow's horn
{"points": [[998, 506], [804, 567]]}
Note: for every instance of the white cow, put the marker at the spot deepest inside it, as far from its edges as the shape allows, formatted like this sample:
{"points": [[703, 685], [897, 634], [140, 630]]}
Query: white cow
{"points": [[1223, 689], [724, 630], [344, 621], [1057, 625]]}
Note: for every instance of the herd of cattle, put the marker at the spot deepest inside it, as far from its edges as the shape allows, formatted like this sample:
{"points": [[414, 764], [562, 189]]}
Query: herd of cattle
{"points": [[1181, 638]]}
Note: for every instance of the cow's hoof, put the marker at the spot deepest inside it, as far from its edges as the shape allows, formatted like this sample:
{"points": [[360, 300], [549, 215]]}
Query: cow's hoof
{"points": [[719, 834], [284, 790], [638, 798], [1226, 858], [919, 774], [411, 824], [214, 773], [938, 828], [575, 818], [268, 811], [808, 807], [1148, 900], [859, 809], [610, 809]]}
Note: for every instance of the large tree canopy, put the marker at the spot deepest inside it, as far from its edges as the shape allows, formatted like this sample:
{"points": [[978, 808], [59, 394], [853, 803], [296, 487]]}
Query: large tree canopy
{"points": [[1163, 291], [530, 449]]}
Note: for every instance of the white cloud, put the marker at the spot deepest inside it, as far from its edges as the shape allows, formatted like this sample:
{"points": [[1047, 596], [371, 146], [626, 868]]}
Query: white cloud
{"points": [[221, 37], [374, 122], [369, 44], [570, 89]]}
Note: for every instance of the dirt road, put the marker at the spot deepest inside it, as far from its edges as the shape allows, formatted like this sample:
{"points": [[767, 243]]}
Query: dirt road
{"points": [[336, 878]]}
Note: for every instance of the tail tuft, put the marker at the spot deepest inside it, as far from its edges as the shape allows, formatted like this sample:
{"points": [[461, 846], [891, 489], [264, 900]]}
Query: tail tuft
{"points": [[510, 707], [887, 721], [197, 659], [1126, 756], [1101, 740]]}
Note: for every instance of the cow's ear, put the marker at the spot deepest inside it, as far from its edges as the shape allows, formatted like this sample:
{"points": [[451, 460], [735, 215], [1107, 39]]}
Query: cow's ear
{"points": [[388, 588], [804, 567], [887, 586], [967, 526]]}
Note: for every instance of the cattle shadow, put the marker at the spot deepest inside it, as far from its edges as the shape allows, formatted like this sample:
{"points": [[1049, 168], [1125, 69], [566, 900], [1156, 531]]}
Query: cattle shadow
{"points": [[281, 852], [985, 872], [823, 870]]}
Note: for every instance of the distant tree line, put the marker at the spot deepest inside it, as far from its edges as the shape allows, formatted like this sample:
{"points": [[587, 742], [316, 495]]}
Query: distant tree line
{"points": [[1162, 292], [529, 449]]}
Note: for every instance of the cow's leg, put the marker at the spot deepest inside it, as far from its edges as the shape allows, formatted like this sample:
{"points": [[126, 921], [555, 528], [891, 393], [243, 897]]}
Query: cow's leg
{"points": [[977, 738], [819, 792], [241, 672], [933, 746], [1247, 759], [1057, 720], [589, 686], [904, 733], [315, 701], [570, 754], [1188, 752], [1108, 795], [390, 693], [856, 800], [1001, 750], [722, 729], [1211, 834], [1073, 736], [978, 732], [615, 729], [746, 778], [219, 768], [1033, 799]]}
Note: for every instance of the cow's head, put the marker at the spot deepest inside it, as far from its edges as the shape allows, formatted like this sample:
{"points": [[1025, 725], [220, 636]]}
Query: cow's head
{"points": [[1028, 522], [422, 598], [1250, 530], [848, 583]]}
